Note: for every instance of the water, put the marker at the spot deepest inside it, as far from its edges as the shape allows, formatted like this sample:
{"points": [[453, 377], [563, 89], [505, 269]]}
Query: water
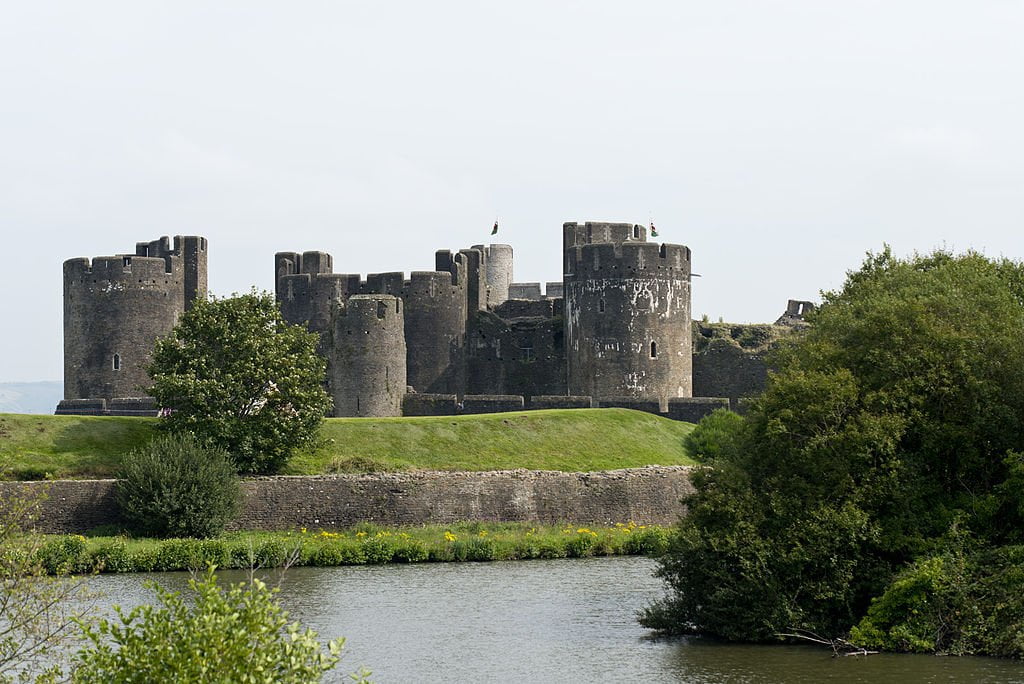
{"points": [[543, 621]]}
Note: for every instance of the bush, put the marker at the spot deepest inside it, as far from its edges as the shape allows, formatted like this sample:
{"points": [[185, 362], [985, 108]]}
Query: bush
{"points": [[176, 487], [236, 634], [714, 433], [956, 603]]}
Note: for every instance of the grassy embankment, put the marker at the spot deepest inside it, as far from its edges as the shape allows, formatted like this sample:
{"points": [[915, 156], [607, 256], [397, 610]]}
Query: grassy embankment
{"points": [[360, 545], [37, 447]]}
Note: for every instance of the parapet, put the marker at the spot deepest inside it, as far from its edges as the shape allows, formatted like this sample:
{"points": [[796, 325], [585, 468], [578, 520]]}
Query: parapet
{"points": [[529, 291], [513, 309], [652, 405], [593, 232], [692, 409], [492, 403], [360, 310], [414, 404], [123, 268], [635, 259], [538, 402]]}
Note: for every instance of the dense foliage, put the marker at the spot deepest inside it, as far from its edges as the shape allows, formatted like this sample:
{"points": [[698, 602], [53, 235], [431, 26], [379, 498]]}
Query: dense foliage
{"points": [[891, 422], [177, 487], [365, 544], [234, 634], [235, 372]]}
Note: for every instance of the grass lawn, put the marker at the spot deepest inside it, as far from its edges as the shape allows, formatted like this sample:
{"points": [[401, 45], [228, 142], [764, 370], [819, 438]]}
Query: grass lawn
{"points": [[35, 447]]}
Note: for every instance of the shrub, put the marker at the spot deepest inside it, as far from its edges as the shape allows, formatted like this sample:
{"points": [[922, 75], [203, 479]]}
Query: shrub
{"points": [[177, 487], [63, 555], [238, 634]]}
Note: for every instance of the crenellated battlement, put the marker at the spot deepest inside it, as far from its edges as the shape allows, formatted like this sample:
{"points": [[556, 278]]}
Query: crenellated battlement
{"points": [[361, 311], [592, 232], [630, 259], [124, 269]]}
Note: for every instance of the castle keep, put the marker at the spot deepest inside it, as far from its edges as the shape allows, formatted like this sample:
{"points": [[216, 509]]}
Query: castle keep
{"points": [[616, 331]]}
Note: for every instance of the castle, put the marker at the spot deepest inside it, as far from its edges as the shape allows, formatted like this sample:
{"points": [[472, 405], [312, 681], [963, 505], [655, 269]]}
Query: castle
{"points": [[616, 331]]}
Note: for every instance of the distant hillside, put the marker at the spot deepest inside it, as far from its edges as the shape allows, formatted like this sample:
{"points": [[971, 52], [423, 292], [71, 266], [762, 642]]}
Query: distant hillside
{"points": [[30, 397]]}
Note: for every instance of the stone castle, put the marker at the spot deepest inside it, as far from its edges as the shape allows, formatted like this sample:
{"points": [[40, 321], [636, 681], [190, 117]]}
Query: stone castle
{"points": [[464, 338]]}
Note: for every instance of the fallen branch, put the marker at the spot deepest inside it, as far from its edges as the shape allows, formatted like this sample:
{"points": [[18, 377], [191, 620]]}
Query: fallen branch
{"points": [[840, 647]]}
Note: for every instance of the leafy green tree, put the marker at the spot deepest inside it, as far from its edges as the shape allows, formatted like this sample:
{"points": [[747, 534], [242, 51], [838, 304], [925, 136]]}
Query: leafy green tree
{"points": [[176, 487], [234, 634], [234, 372], [892, 418]]}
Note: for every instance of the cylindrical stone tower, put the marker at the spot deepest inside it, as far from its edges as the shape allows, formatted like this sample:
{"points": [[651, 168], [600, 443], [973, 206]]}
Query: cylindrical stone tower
{"points": [[627, 316], [366, 369], [115, 309], [435, 321], [498, 272]]}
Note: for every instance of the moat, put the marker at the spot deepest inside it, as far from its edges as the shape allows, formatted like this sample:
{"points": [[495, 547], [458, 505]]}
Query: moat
{"points": [[542, 621]]}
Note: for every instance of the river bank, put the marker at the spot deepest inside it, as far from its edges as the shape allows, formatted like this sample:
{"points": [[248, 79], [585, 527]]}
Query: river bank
{"points": [[363, 544]]}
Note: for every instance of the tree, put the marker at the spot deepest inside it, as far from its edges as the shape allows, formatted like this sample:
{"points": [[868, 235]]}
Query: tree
{"points": [[176, 487], [235, 373], [892, 419], [37, 612], [234, 634]]}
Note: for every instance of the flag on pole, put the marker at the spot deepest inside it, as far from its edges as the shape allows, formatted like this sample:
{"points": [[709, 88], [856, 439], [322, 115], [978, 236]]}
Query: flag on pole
{"points": [[654, 232], [494, 231]]}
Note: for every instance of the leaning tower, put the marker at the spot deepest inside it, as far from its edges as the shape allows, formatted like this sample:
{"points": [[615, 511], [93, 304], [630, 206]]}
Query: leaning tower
{"points": [[115, 309], [627, 313]]}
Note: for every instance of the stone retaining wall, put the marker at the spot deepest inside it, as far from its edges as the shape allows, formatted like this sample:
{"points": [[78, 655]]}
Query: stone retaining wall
{"points": [[644, 495]]}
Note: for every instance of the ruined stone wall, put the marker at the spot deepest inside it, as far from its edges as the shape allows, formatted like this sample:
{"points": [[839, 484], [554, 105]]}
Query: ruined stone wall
{"points": [[729, 360], [643, 495], [115, 309], [525, 356]]}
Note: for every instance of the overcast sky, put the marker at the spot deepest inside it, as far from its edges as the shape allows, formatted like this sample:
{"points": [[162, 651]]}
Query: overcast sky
{"points": [[779, 140]]}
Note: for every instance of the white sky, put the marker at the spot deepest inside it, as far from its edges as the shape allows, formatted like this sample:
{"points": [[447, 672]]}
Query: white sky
{"points": [[779, 140]]}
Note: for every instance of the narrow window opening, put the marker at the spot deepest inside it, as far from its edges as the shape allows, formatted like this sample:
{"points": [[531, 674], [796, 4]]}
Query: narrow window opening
{"points": [[600, 306], [654, 349], [382, 309], [117, 362], [636, 232]]}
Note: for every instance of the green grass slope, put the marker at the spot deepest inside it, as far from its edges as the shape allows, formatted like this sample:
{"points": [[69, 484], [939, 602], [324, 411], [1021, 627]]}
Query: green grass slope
{"points": [[34, 447]]}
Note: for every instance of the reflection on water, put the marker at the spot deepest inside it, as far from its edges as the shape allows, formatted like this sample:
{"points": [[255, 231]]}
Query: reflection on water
{"points": [[544, 621]]}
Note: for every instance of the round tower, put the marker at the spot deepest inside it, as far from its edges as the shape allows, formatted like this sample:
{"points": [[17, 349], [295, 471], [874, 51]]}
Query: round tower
{"points": [[115, 308], [498, 272], [366, 360], [627, 318]]}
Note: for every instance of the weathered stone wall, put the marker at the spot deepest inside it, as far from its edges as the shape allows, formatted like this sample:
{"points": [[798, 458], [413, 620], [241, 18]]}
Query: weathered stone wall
{"points": [[492, 403], [644, 495]]}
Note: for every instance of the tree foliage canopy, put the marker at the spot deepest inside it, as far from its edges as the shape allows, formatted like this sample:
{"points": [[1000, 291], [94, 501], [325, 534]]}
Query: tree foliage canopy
{"points": [[235, 634], [235, 373], [891, 420]]}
